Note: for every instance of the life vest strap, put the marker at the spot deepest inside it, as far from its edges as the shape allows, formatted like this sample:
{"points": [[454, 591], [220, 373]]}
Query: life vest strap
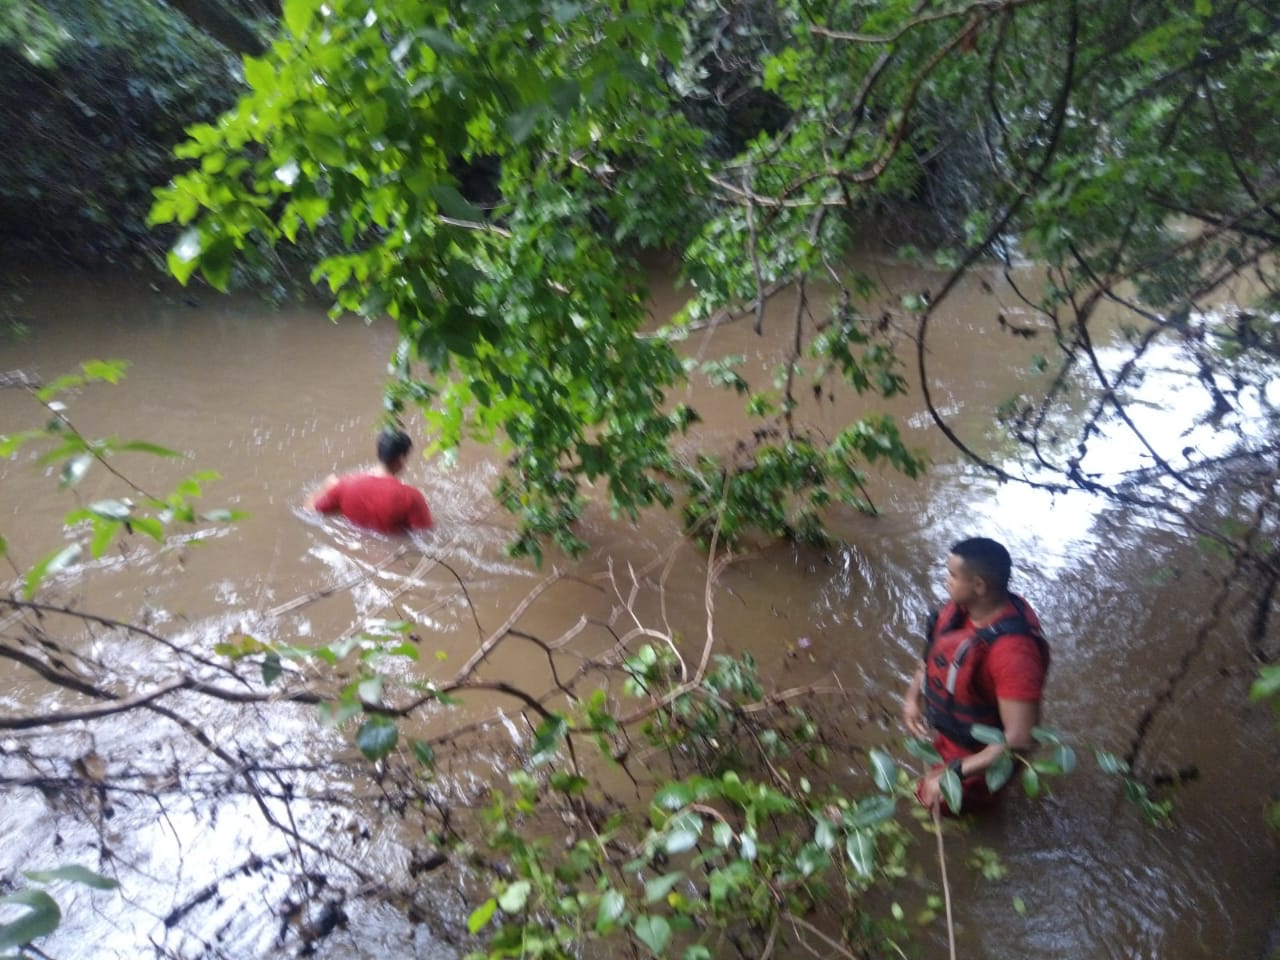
{"points": [[955, 720]]}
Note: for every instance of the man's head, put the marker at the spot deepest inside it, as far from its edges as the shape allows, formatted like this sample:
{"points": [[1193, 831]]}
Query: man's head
{"points": [[393, 449], [978, 571]]}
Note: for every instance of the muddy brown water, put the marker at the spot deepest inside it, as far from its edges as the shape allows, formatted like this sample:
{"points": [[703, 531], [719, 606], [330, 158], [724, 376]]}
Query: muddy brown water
{"points": [[276, 399]]}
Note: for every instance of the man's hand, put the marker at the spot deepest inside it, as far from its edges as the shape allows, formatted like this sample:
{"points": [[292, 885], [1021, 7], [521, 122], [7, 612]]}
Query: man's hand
{"points": [[929, 790], [912, 716], [330, 482]]}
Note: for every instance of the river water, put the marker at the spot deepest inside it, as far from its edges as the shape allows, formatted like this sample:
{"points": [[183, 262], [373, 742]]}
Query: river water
{"points": [[275, 399]]}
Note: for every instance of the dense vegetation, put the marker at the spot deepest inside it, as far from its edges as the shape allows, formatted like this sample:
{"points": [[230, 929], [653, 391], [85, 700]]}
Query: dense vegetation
{"points": [[93, 97], [1082, 131]]}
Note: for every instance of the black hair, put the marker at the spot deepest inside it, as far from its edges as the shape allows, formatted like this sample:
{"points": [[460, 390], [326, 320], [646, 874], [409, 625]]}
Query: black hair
{"points": [[392, 445], [987, 559]]}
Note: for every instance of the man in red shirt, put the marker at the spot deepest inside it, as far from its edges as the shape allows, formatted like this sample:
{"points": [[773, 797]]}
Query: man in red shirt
{"points": [[985, 661], [377, 500]]}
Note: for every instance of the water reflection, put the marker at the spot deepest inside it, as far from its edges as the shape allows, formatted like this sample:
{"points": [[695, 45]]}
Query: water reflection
{"points": [[1121, 597]]}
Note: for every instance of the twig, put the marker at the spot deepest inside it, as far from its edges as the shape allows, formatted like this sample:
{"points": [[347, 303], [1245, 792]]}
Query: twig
{"points": [[496, 637], [111, 623], [753, 248], [985, 7], [798, 923], [116, 704], [946, 887], [329, 591]]}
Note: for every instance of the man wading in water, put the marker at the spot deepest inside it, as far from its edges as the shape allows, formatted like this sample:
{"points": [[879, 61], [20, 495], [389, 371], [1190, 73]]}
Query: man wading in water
{"points": [[377, 500], [985, 661]]}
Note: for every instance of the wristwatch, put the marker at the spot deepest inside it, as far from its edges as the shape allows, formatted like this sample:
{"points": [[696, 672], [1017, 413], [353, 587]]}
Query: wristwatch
{"points": [[956, 766]]}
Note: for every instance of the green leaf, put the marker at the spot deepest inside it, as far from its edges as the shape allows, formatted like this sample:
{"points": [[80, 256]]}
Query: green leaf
{"points": [[922, 749], [521, 124], [985, 734], [871, 811], [73, 873], [222, 515], [104, 532], [999, 772], [453, 204], [341, 648], [330, 151], [682, 833], [424, 753], [142, 446], [73, 470], [1031, 782], [1267, 685], [271, 668], [654, 932], [152, 527], [440, 42], [108, 371], [297, 16], [952, 789], [53, 563], [658, 887], [884, 769], [258, 73], [51, 390], [41, 918], [569, 783], [547, 737], [673, 796], [481, 915], [513, 899], [722, 834], [1110, 763], [377, 737], [111, 509], [612, 906], [370, 689], [1045, 735], [336, 714], [4, 546], [860, 847], [824, 834], [1064, 757], [697, 951], [246, 646]]}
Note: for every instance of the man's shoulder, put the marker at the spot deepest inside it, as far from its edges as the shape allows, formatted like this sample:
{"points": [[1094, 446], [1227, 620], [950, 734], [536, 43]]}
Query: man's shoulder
{"points": [[1017, 642], [366, 480], [1018, 617]]}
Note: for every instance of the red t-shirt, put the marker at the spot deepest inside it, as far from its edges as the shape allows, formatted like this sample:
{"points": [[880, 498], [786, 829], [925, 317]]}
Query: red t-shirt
{"points": [[377, 502], [1013, 669]]}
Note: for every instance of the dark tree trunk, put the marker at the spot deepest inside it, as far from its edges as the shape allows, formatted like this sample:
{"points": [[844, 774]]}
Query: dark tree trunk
{"points": [[222, 24]]}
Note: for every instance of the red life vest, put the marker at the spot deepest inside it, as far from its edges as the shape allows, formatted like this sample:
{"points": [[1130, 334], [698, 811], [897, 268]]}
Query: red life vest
{"points": [[953, 700]]}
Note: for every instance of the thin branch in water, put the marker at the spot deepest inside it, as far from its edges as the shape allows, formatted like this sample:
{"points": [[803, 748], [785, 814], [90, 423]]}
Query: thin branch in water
{"points": [[946, 885]]}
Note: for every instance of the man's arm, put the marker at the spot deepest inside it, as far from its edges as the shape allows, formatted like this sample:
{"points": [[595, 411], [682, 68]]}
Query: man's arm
{"points": [[319, 499], [1017, 717], [1018, 672], [419, 517], [912, 717]]}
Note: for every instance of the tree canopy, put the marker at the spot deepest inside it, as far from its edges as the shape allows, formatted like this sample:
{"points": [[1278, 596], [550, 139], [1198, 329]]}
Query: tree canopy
{"points": [[1129, 150]]}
